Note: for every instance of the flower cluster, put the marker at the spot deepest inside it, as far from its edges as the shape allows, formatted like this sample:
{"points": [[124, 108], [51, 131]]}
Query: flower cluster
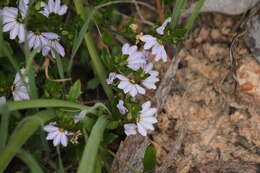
{"points": [[14, 23], [133, 75]]}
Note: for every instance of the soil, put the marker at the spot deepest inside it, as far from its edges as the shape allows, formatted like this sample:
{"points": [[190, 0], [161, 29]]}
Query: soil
{"points": [[216, 97]]}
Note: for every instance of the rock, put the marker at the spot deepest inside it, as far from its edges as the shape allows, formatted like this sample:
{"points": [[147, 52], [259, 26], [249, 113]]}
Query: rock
{"points": [[252, 38], [131, 151], [230, 7]]}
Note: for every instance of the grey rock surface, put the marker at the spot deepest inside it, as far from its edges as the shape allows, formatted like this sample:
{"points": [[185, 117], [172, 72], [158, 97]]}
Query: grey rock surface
{"points": [[230, 7], [252, 38]]}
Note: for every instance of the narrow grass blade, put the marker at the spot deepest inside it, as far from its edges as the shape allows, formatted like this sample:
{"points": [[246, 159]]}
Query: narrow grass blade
{"points": [[179, 6], [88, 160], [4, 126], [43, 103], [194, 15], [30, 161], [23, 132], [98, 67], [83, 30]]}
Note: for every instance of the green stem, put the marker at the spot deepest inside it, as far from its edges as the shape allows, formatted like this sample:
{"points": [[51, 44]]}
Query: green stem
{"points": [[98, 67], [22, 134], [42, 103]]}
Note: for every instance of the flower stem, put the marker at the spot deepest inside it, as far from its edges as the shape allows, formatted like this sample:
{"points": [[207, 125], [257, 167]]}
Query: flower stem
{"points": [[98, 67]]}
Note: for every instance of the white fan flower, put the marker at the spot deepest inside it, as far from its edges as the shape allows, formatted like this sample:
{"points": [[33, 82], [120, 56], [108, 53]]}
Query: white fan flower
{"points": [[130, 129], [122, 109], [147, 118], [148, 68], [13, 23], [2, 100], [149, 82], [160, 30], [23, 7], [111, 78], [80, 116], [128, 50], [53, 6], [52, 45], [157, 48], [20, 91], [36, 40], [128, 86], [136, 60], [58, 135]]}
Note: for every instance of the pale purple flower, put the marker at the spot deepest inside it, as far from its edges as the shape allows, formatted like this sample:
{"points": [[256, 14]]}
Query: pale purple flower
{"points": [[2, 100], [53, 45], [122, 109], [129, 86], [160, 30], [130, 129], [13, 24], [37, 40], [23, 7], [111, 78], [58, 135], [53, 6], [20, 91], [147, 118], [128, 50], [150, 81], [136, 60], [157, 48], [80, 116]]}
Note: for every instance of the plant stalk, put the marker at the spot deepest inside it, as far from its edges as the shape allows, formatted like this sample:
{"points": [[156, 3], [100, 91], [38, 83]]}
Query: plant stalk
{"points": [[98, 67]]}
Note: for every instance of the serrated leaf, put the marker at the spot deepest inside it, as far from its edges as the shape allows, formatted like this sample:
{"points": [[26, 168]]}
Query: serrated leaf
{"points": [[75, 91], [149, 159]]}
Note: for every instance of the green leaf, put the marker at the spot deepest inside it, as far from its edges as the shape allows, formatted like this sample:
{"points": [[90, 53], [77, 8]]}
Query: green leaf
{"points": [[4, 126], [98, 67], [52, 89], [98, 166], [23, 132], [75, 91], [30, 161], [109, 138], [179, 6], [149, 159], [194, 15], [88, 123], [93, 83], [113, 125], [43, 103], [88, 160]]}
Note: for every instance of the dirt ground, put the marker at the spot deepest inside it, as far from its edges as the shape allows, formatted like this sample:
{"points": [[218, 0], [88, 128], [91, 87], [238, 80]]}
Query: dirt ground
{"points": [[216, 98]]}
